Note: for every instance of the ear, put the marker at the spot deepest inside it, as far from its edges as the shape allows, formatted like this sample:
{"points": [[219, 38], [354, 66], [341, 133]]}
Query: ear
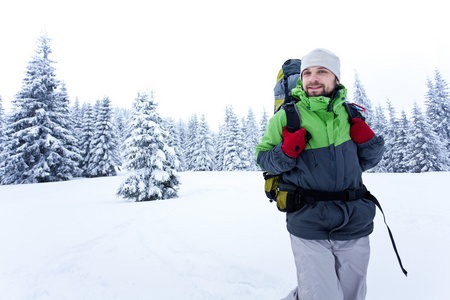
{"points": [[337, 81]]}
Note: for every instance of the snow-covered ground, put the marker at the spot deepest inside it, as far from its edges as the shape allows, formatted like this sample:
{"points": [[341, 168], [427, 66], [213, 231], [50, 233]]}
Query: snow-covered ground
{"points": [[221, 239]]}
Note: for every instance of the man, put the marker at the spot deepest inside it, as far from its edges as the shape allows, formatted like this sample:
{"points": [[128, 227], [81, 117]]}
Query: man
{"points": [[330, 226]]}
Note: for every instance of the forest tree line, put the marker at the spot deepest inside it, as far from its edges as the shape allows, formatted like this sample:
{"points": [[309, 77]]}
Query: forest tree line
{"points": [[46, 138]]}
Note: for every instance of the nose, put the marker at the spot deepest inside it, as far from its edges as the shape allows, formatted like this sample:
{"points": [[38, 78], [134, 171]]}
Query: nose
{"points": [[313, 78]]}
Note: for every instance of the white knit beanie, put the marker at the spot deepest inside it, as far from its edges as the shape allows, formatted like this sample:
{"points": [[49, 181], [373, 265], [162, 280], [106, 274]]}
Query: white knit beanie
{"points": [[322, 58]]}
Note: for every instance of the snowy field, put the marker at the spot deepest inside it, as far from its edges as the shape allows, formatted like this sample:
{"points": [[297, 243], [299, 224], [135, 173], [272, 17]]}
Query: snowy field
{"points": [[221, 239]]}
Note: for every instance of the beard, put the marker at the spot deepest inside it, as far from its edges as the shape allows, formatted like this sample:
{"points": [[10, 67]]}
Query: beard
{"points": [[324, 91]]}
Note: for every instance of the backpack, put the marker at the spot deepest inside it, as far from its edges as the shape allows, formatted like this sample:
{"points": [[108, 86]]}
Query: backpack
{"points": [[286, 80]]}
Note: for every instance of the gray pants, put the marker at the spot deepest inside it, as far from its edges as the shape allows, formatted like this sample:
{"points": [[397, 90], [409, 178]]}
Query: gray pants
{"points": [[330, 270]]}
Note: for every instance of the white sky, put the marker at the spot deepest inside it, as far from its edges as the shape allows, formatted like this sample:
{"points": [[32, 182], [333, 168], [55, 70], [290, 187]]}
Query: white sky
{"points": [[199, 56]]}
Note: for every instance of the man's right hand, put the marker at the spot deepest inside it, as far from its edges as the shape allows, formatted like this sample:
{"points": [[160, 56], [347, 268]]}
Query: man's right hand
{"points": [[293, 143]]}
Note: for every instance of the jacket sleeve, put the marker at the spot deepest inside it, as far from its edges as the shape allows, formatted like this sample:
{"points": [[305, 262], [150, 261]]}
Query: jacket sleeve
{"points": [[269, 155], [371, 152]]}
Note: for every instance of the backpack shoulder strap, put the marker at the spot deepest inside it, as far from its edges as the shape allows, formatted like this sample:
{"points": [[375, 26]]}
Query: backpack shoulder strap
{"points": [[292, 116]]}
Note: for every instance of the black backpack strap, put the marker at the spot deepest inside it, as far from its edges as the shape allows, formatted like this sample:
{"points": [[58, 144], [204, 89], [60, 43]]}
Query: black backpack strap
{"points": [[292, 116], [377, 203]]}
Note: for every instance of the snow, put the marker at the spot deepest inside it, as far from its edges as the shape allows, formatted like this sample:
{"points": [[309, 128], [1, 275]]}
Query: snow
{"points": [[221, 239]]}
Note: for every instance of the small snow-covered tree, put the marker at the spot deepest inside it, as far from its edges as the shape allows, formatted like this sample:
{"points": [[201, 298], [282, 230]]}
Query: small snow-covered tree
{"points": [[263, 123], [402, 145], [149, 158], [427, 152], [203, 152], [380, 128], [39, 140], [3, 156], [231, 157], [87, 133], [391, 138], [104, 156], [438, 108], [251, 139], [360, 98]]}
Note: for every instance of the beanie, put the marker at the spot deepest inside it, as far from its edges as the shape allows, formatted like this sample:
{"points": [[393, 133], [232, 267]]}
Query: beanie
{"points": [[322, 58]]}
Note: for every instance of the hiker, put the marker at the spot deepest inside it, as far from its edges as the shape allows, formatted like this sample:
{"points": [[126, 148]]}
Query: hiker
{"points": [[323, 163]]}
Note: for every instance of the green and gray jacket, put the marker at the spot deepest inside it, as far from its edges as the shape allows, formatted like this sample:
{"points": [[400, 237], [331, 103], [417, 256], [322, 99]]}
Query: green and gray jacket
{"points": [[331, 162]]}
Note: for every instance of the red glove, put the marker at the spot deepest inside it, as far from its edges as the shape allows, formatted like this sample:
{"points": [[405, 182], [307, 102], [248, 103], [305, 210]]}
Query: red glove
{"points": [[360, 132], [293, 143]]}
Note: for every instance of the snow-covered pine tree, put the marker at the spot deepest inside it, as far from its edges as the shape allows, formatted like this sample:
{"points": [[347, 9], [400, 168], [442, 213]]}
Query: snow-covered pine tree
{"points": [[220, 148], [192, 142], [39, 143], [231, 157], [391, 138], [3, 156], [180, 142], [360, 98], [402, 144], [172, 139], [263, 123], [87, 126], [251, 139], [438, 108], [104, 154], [149, 158], [380, 128], [426, 152], [203, 151]]}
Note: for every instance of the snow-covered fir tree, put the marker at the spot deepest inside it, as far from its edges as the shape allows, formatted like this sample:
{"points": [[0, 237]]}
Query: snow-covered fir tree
{"points": [[360, 98], [3, 156], [203, 151], [149, 158], [251, 139], [104, 157], [85, 143], [437, 100], [192, 142], [380, 128], [263, 123], [426, 152], [401, 145], [391, 138], [39, 142], [220, 148], [232, 139], [180, 141]]}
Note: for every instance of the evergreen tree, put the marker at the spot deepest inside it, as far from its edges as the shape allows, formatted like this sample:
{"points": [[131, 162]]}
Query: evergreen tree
{"points": [[391, 138], [180, 142], [39, 143], [3, 156], [380, 128], [87, 125], [427, 152], [220, 148], [231, 157], [150, 159], [104, 156], [440, 117], [203, 151], [173, 139], [263, 123], [402, 145], [252, 137], [360, 98], [192, 142]]}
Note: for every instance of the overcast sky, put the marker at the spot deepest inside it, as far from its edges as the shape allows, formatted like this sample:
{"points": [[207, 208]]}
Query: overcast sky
{"points": [[200, 56]]}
